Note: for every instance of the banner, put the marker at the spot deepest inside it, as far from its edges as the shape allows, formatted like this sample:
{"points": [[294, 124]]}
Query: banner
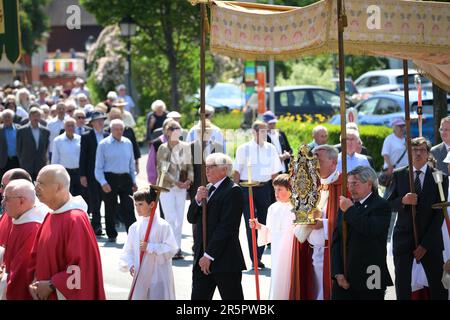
{"points": [[10, 39]]}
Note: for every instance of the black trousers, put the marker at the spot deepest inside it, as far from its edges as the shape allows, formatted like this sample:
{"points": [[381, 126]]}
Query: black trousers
{"points": [[228, 283], [262, 202], [121, 186], [338, 293], [11, 163], [94, 196], [76, 189], [432, 263]]}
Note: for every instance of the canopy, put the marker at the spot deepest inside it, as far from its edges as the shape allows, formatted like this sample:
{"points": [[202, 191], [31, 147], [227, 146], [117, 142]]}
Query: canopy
{"points": [[412, 30]]}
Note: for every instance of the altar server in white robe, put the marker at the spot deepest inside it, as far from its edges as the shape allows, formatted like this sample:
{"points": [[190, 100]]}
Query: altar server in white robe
{"points": [[279, 230], [155, 276]]}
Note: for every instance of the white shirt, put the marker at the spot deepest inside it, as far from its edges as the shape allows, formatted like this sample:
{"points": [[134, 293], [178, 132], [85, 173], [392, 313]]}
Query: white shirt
{"points": [[21, 112], [66, 152], [36, 135], [365, 198], [55, 126], [264, 160], [423, 171], [275, 139], [394, 147]]}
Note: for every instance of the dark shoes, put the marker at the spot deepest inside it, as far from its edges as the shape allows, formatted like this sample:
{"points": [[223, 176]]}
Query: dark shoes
{"points": [[99, 232], [112, 240], [178, 256], [260, 265]]}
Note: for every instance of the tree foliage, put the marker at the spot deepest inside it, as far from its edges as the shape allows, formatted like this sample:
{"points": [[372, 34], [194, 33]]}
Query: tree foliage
{"points": [[33, 23]]}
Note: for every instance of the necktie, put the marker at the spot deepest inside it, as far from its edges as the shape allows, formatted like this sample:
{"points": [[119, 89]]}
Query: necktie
{"points": [[210, 191], [357, 204], [417, 185]]}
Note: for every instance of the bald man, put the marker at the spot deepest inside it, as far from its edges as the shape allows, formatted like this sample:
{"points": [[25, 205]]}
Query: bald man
{"points": [[5, 220], [20, 204], [65, 260]]}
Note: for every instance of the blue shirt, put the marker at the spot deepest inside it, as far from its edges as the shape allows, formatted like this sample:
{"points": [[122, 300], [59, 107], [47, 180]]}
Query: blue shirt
{"points": [[115, 157], [10, 135], [353, 161]]}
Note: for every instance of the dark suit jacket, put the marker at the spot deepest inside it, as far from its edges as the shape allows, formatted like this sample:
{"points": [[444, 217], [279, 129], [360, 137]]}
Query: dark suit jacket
{"points": [[88, 150], [32, 159], [428, 221], [284, 145], [3, 146], [440, 152], [129, 133], [224, 212], [367, 233]]}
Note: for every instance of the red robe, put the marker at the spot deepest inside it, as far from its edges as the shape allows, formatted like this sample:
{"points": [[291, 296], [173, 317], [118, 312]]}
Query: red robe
{"points": [[65, 250], [5, 228], [18, 254], [302, 271]]}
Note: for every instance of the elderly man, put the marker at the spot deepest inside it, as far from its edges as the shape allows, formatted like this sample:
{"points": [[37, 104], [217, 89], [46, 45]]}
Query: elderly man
{"points": [[428, 249], [65, 260], [320, 137], [219, 262], [354, 159], [8, 138], [122, 94], [440, 151], [32, 144], [88, 152], [367, 216], [311, 248], [279, 139], [115, 171], [66, 152], [57, 124], [265, 165], [19, 202], [80, 117]]}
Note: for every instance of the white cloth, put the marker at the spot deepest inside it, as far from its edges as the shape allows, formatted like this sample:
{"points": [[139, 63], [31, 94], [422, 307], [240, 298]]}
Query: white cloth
{"points": [[173, 203], [154, 277], [275, 138], [66, 152], [394, 147], [22, 113], [264, 161], [216, 135], [128, 119], [55, 126], [279, 230]]}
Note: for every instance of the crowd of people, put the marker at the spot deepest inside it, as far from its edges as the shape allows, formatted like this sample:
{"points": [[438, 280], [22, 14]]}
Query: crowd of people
{"points": [[61, 157]]}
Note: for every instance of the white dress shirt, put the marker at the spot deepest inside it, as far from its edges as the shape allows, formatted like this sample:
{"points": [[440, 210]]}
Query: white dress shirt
{"points": [[66, 152], [264, 160], [423, 171]]}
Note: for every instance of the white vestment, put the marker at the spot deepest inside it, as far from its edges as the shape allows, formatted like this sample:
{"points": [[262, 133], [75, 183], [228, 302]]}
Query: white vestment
{"points": [[155, 277], [279, 230]]}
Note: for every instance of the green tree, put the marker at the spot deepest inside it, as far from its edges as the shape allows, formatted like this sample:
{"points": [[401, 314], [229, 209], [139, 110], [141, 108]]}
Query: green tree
{"points": [[33, 22], [166, 48]]}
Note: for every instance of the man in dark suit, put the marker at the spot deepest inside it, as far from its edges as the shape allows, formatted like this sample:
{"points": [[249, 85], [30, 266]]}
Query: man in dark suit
{"points": [[440, 151], [88, 151], [429, 222], [8, 137], [221, 263], [368, 217], [32, 144]]}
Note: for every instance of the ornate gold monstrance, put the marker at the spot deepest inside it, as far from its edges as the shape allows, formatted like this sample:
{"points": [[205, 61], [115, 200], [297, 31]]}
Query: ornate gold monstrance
{"points": [[305, 185]]}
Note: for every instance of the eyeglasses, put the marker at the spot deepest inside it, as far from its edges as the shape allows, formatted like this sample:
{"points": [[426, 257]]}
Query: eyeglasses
{"points": [[81, 117], [210, 166], [174, 128], [419, 150], [444, 130]]}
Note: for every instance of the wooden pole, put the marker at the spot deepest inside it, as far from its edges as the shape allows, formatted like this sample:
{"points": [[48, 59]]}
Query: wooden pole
{"points": [[202, 115], [342, 23], [408, 144]]}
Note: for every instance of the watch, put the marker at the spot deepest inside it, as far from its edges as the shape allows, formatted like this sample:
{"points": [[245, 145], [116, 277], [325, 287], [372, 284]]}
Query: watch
{"points": [[52, 287]]}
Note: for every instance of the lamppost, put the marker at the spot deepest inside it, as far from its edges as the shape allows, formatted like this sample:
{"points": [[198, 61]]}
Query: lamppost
{"points": [[128, 30]]}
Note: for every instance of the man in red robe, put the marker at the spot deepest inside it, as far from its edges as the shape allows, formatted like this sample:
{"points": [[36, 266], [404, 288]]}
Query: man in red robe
{"points": [[19, 201], [310, 276], [65, 260], [5, 220]]}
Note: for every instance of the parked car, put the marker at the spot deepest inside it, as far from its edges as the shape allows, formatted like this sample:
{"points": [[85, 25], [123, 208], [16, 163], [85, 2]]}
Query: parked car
{"points": [[351, 91], [225, 96], [383, 108], [303, 100], [388, 80]]}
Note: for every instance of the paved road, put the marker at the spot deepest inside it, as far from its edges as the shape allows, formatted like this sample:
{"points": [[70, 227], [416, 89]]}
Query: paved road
{"points": [[117, 284]]}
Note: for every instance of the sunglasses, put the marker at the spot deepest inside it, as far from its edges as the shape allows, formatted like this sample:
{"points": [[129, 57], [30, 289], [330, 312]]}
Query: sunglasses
{"points": [[174, 128], [81, 117]]}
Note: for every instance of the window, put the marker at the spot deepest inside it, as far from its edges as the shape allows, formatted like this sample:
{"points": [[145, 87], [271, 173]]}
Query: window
{"points": [[387, 106], [378, 81], [295, 99], [324, 98], [368, 107], [363, 83]]}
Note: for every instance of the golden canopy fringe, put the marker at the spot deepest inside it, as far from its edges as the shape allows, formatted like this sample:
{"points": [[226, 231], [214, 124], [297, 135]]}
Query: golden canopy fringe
{"points": [[413, 30]]}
